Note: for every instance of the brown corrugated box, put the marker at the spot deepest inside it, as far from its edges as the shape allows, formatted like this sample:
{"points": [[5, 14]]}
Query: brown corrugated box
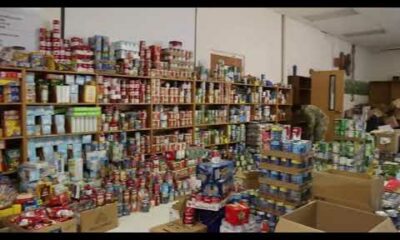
{"points": [[387, 141], [321, 216], [178, 227], [347, 205], [355, 190], [100, 219], [66, 226], [248, 179]]}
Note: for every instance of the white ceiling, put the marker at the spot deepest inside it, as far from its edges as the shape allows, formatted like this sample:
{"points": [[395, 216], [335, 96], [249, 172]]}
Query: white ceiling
{"points": [[342, 21]]}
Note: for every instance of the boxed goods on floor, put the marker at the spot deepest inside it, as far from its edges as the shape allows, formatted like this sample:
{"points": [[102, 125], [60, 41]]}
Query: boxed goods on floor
{"points": [[100, 219], [348, 203], [320, 216], [350, 189], [387, 141], [66, 226], [178, 227]]}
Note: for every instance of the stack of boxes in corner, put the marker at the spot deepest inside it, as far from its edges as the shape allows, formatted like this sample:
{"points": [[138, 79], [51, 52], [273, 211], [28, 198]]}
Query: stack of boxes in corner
{"points": [[103, 53], [353, 149]]}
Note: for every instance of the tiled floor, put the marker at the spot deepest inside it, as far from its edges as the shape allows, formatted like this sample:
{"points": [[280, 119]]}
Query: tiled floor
{"points": [[142, 222]]}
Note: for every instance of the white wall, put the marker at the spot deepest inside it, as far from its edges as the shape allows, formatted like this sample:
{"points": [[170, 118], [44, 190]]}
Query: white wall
{"points": [[48, 15], [252, 32], [386, 65], [307, 47], [154, 25]]}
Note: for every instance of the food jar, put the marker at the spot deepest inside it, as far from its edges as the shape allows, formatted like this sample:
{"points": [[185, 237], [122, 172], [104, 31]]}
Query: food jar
{"points": [[283, 193], [271, 204], [274, 160], [297, 179], [273, 190], [280, 207], [285, 177], [274, 175], [296, 164]]}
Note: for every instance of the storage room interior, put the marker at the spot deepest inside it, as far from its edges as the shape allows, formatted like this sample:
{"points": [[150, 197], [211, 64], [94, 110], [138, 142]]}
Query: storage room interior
{"points": [[199, 120]]}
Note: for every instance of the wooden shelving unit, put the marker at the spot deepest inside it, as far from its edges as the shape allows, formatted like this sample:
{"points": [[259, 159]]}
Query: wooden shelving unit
{"points": [[283, 184], [22, 141]]}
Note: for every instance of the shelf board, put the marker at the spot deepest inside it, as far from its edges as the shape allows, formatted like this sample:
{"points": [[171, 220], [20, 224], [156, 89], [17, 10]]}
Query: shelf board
{"points": [[284, 169], [173, 104], [128, 130], [279, 199], [123, 104], [287, 185], [281, 154], [116, 75], [59, 72], [61, 104], [61, 135], [11, 68], [244, 103], [13, 103], [10, 138], [210, 124], [244, 84], [171, 128], [344, 138], [8, 172], [236, 123], [220, 144], [173, 79], [211, 103], [211, 81]]}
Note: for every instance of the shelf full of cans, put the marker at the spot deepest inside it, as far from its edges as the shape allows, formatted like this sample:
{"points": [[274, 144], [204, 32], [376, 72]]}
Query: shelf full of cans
{"points": [[285, 164], [353, 149], [11, 130]]}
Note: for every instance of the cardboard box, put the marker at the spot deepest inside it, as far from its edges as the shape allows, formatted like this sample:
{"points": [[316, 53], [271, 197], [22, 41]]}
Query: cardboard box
{"points": [[249, 180], [348, 201], [355, 190], [320, 216], [100, 219], [387, 141], [178, 227], [67, 226]]}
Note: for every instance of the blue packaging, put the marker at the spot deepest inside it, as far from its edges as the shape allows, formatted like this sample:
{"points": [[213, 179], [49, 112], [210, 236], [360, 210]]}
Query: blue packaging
{"points": [[275, 145], [287, 146]]}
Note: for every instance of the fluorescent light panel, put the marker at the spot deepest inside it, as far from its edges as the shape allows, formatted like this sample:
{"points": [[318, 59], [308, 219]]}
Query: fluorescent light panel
{"points": [[331, 15], [364, 33]]}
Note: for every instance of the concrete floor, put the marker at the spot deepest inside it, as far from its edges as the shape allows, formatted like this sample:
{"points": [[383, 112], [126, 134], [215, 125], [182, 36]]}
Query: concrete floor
{"points": [[142, 222]]}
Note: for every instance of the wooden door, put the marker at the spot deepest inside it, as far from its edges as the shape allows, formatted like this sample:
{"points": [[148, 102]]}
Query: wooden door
{"points": [[328, 94]]}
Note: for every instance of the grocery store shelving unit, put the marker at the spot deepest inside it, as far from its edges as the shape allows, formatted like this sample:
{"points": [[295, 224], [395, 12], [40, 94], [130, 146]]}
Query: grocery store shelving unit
{"points": [[280, 183], [22, 140]]}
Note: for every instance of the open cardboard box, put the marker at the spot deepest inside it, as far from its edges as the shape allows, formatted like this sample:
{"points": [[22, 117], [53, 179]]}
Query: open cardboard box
{"points": [[356, 190], [347, 205], [320, 216], [100, 219], [178, 227], [388, 141]]}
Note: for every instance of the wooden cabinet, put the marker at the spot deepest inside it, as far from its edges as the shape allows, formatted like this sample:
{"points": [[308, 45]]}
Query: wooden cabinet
{"points": [[383, 92], [301, 88]]}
